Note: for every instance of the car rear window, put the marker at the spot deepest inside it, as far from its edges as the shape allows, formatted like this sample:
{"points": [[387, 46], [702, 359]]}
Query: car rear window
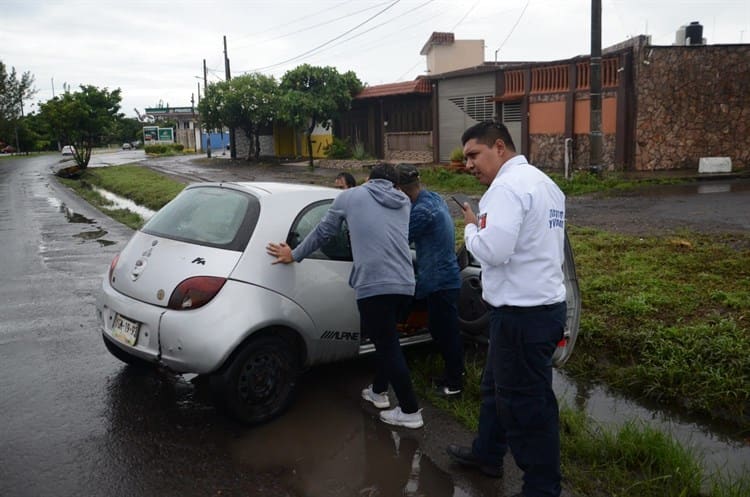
{"points": [[212, 216]]}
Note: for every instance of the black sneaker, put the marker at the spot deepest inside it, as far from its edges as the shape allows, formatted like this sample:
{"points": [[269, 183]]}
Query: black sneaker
{"points": [[465, 457], [448, 390], [445, 388]]}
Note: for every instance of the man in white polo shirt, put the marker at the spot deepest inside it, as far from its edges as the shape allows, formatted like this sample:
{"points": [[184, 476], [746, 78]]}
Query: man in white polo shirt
{"points": [[518, 238]]}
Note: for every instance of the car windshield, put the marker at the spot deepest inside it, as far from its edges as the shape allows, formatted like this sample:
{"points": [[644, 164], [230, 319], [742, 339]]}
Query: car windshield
{"points": [[212, 216]]}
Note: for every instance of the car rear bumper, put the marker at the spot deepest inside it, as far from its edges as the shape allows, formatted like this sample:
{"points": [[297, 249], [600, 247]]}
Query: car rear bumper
{"points": [[200, 340]]}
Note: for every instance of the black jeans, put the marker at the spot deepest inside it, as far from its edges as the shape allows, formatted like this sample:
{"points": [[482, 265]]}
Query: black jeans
{"points": [[442, 311], [519, 409], [378, 317]]}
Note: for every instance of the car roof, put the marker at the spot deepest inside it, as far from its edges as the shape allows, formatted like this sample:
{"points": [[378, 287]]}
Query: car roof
{"points": [[268, 188]]}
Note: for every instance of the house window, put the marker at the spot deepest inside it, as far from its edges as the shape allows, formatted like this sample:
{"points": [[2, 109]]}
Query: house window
{"points": [[511, 112], [478, 107]]}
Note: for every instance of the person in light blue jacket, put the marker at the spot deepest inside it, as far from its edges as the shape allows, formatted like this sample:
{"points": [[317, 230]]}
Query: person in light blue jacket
{"points": [[377, 216]]}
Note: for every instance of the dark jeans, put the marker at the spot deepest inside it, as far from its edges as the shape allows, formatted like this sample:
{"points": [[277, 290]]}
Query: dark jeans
{"points": [[442, 312], [378, 318], [519, 409]]}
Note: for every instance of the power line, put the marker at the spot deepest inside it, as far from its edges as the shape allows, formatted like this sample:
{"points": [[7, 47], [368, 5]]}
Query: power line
{"points": [[373, 28], [512, 29], [309, 28], [465, 15], [328, 42]]}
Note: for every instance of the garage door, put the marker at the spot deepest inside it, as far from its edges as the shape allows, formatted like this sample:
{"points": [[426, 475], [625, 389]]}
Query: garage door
{"points": [[462, 103]]}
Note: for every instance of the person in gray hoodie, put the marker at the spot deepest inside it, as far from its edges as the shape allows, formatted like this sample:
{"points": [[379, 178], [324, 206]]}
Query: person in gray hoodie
{"points": [[377, 215]]}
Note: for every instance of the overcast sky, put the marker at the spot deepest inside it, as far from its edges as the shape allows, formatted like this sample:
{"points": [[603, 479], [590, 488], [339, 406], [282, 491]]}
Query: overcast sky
{"points": [[154, 50]]}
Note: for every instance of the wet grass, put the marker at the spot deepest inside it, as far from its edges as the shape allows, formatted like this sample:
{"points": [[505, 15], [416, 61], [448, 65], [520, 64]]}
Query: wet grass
{"points": [[667, 318], [443, 180], [143, 186], [664, 317]]}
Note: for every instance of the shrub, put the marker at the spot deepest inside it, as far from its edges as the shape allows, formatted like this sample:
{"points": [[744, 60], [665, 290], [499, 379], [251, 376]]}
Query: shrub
{"points": [[338, 149], [457, 154], [359, 152]]}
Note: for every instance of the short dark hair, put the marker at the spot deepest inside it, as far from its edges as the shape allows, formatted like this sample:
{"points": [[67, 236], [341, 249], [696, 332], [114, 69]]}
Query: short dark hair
{"points": [[408, 174], [487, 132], [383, 170], [348, 179]]}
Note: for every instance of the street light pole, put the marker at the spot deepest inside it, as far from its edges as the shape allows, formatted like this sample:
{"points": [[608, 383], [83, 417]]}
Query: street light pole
{"points": [[205, 89]]}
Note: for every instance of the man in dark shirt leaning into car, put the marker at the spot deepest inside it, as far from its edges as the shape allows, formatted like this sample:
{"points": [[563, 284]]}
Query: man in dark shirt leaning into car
{"points": [[437, 273]]}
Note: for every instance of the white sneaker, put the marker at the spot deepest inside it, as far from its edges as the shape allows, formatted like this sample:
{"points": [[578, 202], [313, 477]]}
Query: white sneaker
{"points": [[399, 418], [379, 400]]}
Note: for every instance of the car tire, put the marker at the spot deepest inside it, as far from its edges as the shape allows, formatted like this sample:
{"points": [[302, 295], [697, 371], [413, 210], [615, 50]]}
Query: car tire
{"points": [[473, 315], [259, 382], [129, 359]]}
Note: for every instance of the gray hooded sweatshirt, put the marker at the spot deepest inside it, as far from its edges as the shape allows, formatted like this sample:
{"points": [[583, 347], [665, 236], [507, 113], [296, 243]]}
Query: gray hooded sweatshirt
{"points": [[377, 215]]}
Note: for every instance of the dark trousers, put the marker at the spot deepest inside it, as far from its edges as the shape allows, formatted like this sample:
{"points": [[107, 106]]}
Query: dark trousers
{"points": [[378, 318], [519, 409], [442, 312]]}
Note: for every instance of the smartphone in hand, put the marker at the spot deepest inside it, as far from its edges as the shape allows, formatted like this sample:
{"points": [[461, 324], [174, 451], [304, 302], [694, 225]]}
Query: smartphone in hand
{"points": [[458, 202]]}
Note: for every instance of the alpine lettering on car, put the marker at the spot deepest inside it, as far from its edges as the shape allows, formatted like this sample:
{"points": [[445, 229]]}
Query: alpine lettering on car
{"points": [[340, 335]]}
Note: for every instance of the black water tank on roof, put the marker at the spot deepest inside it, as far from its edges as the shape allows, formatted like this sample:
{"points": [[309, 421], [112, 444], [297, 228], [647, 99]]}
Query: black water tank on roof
{"points": [[694, 34]]}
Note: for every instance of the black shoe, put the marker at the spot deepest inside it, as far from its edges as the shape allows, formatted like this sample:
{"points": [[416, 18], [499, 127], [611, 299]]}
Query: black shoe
{"points": [[465, 457], [447, 390]]}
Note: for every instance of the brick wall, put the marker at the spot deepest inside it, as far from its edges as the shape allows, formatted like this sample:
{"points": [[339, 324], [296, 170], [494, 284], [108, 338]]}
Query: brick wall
{"points": [[692, 102]]}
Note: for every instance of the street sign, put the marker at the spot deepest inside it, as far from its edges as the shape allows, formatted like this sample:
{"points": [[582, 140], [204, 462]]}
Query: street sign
{"points": [[150, 134], [166, 135]]}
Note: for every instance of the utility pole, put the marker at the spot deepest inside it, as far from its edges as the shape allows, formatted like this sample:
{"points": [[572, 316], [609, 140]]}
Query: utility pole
{"points": [[595, 92], [205, 89], [232, 144]]}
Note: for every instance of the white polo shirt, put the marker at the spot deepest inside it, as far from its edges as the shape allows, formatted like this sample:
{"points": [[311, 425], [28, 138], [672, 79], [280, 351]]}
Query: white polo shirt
{"points": [[519, 240]]}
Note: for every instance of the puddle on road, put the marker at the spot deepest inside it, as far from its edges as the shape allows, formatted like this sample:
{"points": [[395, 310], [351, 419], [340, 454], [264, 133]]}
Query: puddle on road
{"points": [[330, 443], [75, 217], [90, 235], [708, 187]]}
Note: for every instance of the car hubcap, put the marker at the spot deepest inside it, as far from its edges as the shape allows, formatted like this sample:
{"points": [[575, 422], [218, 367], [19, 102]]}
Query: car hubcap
{"points": [[260, 378]]}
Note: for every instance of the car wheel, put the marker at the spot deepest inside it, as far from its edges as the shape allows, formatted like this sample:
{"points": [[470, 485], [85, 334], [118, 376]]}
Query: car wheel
{"points": [[259, 382], [473, 315], [124, 356]]}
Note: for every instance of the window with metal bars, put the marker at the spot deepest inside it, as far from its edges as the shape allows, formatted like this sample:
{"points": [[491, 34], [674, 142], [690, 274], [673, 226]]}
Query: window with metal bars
{"points": [[511, 112], [478, 107]]}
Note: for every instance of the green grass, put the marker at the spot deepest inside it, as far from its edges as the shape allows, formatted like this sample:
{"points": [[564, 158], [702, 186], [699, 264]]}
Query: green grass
{"points": [[139, 184], [443, 180], [667, 318]]}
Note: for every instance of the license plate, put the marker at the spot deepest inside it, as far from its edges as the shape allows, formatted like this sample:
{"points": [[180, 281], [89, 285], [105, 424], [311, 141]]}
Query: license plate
{"points": [[125, 330]]}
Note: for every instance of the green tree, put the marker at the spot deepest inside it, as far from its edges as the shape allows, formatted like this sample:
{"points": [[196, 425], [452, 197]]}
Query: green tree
{"points": [[126, 129], [14, 90], [250, 103], [82, 118], [316, 95], [210, 109]]}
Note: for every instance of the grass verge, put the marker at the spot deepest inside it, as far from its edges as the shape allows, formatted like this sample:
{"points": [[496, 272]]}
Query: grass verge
{"points": [[139, 184]]}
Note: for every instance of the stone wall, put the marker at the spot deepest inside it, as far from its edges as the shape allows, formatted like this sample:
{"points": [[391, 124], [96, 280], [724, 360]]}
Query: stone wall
{"points": [[243, 145], [692, 102], [346, 163], [548, 152]]}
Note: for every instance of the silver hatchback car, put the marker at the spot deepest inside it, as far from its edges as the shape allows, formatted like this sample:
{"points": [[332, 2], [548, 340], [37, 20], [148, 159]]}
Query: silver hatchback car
{"points": [[194, 291]]}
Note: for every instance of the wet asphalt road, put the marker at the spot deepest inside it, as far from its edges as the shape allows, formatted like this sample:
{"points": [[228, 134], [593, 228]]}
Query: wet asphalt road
{"points": [[76, 422]]}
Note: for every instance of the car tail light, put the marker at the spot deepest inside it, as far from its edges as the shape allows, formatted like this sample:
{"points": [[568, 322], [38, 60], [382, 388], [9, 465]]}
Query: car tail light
{"points": [[112, 267], [195, 292]]}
